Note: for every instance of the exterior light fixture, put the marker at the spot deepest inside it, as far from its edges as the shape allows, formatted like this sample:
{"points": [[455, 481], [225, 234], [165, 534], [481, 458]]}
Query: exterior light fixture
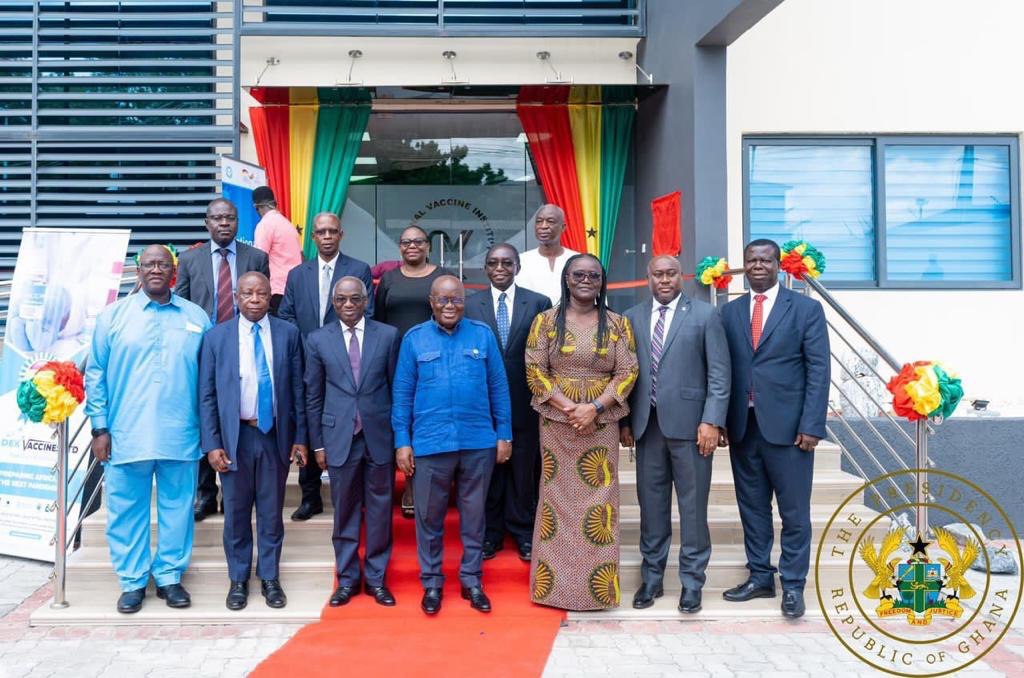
{"points": [[626, 55], [545, 58], [353, 55], [271, 61], [453, 78]]}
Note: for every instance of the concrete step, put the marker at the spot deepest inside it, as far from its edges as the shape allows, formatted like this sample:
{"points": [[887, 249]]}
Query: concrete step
{"points": [[713, 607]]}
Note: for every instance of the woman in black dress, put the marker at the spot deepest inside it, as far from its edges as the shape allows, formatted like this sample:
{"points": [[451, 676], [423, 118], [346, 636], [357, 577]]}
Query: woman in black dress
{"points": [[402, 299]]}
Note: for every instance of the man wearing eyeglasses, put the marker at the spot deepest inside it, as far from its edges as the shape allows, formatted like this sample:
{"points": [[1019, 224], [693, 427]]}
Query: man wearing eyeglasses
{"points": [[208, 277], [452, 420]]}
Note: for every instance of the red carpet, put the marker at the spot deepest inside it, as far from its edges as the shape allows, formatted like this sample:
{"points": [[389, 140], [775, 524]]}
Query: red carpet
{"points": [[366, 639]]}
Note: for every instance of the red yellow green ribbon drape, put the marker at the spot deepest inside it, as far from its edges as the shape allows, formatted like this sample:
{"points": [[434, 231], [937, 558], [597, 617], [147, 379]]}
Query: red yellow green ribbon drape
{"points": [[580, 138], [307, 138]]}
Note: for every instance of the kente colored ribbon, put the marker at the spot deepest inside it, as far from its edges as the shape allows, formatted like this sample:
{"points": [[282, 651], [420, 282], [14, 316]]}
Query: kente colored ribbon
{"points": [[50, 392], [925, 389], [711, 271], [799, 258]]}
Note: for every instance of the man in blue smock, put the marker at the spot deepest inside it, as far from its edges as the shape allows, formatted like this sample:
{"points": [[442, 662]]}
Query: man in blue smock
{"points": [[452, 419], [141, 383]]}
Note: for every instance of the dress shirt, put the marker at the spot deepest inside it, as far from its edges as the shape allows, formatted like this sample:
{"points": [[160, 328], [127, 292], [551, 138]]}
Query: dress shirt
{"points": [[535, 273], [142, 378], [320, 263], [247, 369], [766, 306], [277, 236], [346, 332], [669, 314], [510, 297], [215, 258], [450, 390]]}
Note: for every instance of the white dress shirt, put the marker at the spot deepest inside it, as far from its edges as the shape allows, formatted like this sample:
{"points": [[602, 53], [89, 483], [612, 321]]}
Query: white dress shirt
{"points": [[247, 370], [535, 273], [766, 306], [360, 330], [669, 314], [325, 299], [510, 296]]}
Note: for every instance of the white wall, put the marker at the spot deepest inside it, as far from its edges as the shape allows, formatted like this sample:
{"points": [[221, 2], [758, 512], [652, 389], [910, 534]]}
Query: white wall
{"points": [[891, 66]]}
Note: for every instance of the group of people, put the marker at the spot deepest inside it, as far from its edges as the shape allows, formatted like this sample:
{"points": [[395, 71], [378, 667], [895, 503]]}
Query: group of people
{"points": [[516, 398]]}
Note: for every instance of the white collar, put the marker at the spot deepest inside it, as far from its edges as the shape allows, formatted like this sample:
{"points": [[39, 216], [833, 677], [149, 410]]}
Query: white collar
{"points": [[330, 263], [360, 326], [510, 293], [771, 293], [672, 305], [245, 325]]}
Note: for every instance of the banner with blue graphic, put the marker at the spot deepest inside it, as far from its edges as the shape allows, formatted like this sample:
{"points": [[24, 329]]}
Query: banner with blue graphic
{"points": [[239, 179]]}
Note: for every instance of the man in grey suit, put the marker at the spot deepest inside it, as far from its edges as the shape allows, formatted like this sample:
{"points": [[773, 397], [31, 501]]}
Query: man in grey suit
{"points": [[679, 404], [208, 277], [350, 365]]}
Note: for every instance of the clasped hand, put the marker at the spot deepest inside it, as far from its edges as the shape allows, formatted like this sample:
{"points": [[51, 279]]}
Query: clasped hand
{"points": [[582, 417]]}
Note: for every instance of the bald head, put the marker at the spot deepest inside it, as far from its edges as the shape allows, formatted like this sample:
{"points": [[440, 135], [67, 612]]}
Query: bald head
{"points": [[350, 299], [548, 224], [665, 278], [252, 295], [448, 301]]}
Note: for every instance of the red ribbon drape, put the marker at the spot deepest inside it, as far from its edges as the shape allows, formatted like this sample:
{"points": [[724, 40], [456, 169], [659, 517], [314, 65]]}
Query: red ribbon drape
{"points": [[549, 134], [270, 131], [666, 215]]}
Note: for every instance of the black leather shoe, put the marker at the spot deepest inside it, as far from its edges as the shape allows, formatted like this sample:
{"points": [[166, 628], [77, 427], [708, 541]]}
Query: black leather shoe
{"points": [[526, 551], [490, 549], [342, 595], [174, 594], [272, 591], [431, 603], [131, 601], [307, 510], [202, 509], [646, 594], [748, 590], [478, 600], [381, 594], [689, 601], [238, 595], [793, 604]]}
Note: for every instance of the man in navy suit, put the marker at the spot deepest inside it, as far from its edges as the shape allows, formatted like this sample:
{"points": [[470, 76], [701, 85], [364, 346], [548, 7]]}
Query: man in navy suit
{"points": [[208, 277], [350, 364], [307, 305], [252, 425], [778, 342], [509, 310]]}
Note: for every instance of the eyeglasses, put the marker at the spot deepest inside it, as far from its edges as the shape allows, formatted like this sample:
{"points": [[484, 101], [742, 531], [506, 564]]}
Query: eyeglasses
{"points": [[156, 266], [356, 299], [444, 301], [326, 231], [411, 242], [222, 217], [580, 276]]}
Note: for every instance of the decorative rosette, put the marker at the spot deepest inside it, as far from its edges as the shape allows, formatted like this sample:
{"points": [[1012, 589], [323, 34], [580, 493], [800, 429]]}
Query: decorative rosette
{"points": [[925, 389], [50, 391], [800, 259], [712, 271], [174, 261]]}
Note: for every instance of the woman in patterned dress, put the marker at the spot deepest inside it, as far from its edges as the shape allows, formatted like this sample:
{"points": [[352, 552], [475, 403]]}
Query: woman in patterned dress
{"points": [[581, 366]]}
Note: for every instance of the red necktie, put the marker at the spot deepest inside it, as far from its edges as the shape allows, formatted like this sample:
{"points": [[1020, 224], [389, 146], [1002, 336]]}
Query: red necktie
{"points": [[225, 304], [757, 320]]}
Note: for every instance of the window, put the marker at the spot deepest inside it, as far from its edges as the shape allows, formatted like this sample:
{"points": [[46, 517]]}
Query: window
{"points": [[904, 211]]}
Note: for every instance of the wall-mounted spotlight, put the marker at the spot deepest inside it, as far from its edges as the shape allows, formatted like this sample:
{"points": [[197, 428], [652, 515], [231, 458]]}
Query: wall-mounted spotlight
{"points": [[626, 55], [271, 61], [453, 78], [545, 58], [353, 55]]}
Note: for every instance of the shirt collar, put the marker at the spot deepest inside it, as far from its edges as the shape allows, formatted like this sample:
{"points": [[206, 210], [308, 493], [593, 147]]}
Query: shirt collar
{"points": [[360, 326], [443, 331], [510, 293], [771, 293], [143, 300], [672, 305], [231, 247], [245, 325], [332, 263]]}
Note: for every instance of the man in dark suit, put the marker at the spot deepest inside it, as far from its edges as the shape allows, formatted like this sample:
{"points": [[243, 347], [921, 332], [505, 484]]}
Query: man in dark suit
{"points": [[508, 310], [349, 370], [676, 410], [307, 305], [780, 377], [208, 276], [252, 425]]}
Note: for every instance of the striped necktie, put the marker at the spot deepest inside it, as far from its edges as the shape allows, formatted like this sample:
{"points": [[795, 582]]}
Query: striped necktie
{"points": [[225, 302], [657, 344]]}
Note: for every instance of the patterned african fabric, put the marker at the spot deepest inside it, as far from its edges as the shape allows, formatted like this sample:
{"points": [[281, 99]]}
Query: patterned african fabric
{"points": [[576, 535]]}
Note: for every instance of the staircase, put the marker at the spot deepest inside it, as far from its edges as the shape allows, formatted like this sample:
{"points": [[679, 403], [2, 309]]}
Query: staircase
{"points": [[307, 564]]}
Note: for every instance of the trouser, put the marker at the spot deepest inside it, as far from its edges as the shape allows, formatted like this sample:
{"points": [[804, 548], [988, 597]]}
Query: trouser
{"points": [[309, 481], [357, 484], [512, 492], [432, 480], [206, 488], [129, 493], [257, 478], [761, 469], [661, 463]]}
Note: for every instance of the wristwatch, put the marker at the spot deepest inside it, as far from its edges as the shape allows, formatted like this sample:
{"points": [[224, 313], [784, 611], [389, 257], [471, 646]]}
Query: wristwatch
{"points": [[96, 432], [598, 406]]}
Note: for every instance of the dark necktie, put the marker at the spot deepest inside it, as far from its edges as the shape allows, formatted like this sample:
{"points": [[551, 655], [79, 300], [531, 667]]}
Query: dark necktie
{"points": [[657, 343], [225, 302], [502, 320], [354, 362]]}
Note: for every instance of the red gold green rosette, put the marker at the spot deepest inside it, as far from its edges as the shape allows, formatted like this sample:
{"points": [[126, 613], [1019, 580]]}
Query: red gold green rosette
{"points": [[50, 391], [800, 259], [174, 262], [925, 389], [712, 271]]}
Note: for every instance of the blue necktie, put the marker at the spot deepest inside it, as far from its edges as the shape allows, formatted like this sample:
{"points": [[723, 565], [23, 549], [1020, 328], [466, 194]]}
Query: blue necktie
{"points": [[502, 320], [265, 388]]}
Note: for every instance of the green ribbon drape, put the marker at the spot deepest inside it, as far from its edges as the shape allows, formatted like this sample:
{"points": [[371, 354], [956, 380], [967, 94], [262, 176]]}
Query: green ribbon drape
{"points": [[339, 134], [616, 139]]}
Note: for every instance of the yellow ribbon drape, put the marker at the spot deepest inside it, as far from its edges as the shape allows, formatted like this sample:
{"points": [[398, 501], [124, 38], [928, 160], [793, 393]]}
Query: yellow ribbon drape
{"points": [[585, 120], [301, 143]]}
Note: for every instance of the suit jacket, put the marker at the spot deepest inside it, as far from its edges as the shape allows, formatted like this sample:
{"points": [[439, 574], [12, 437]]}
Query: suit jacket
{"points": [[693, 373], [333, 396], [195, 272], [301, 303], [789, 372], [480, 306], [220, 389]]}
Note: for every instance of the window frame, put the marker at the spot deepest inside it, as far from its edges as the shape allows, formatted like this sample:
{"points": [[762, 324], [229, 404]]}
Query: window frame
{"points": [[878, 144]]}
